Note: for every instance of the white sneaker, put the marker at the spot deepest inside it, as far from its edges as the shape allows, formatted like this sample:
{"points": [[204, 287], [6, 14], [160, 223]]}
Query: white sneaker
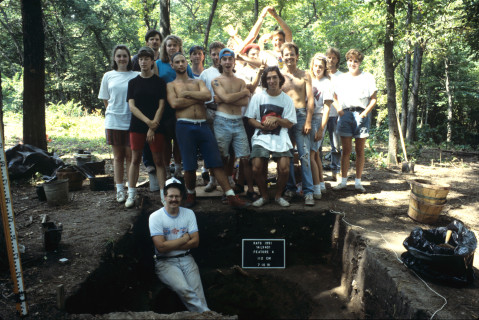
{"points": [[282, 202], [339, 186], [309, 200], [289, 194], [120, 196], [359, 187], [317, 196], [130, 202], [260, 202], [211, 186]]}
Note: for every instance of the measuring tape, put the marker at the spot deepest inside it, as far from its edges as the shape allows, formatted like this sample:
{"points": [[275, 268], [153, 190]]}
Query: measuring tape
{"points": [[11, 234]]}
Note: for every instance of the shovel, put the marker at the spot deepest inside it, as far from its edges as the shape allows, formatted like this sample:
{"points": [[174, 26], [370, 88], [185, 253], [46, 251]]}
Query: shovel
{"points": [[406, 166]]}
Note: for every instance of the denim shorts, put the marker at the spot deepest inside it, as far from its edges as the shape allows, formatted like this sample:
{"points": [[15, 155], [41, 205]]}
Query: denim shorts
{"points": [[231, 132], [261, 152], [194, 136], [352, 125], [315, 126]]}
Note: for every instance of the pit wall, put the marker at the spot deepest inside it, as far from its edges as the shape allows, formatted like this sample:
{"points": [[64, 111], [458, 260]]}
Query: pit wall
{"points": [[375, 285]]}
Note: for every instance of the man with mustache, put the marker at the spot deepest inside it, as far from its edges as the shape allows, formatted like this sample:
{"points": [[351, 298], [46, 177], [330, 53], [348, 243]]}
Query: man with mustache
{"points": [[174, 232]]}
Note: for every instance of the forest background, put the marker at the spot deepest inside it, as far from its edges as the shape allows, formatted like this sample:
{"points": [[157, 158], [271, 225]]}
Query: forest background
{"points": [[423, 54]]}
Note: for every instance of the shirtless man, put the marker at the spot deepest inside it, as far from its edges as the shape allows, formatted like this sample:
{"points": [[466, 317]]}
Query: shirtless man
{"points": [[278, 38], [298, 87], [231, 95], [187, 96]]}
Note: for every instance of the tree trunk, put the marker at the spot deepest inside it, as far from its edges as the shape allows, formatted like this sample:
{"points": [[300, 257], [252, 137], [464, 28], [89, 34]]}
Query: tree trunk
{"points": [[414, 98], [255, 10], [2, 127], [34, 131], [165, 28], [210, 22], [390, 82], [449, 102], [406, 75]]}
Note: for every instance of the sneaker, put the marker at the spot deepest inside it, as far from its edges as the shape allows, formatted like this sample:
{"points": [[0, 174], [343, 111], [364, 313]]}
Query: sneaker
{"points": [[130, 202], [238, 203], [260, 202], [151, 169], [252, 196], [289, 194], [309, 200], [282, 202], [324, 190], [190, 200], [238, 189], [339, 186], [359, 187], [120, 196], [211, 186], [317, 196]]}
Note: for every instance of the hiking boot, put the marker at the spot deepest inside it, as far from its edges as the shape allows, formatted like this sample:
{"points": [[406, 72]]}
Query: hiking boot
{"points": [[206, 177], [211, 186], [120, 196], [309, 200], [236, 202], [224, 199], [190, 200], [282, 202], [260, 202]]}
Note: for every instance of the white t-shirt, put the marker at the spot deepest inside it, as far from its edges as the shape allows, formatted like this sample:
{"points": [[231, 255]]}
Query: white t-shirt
{"points": [[172, 227], [322, 91], [207, 76], [272, 58], [354, 91], [261, 105], [332, 111], [114, 87]]}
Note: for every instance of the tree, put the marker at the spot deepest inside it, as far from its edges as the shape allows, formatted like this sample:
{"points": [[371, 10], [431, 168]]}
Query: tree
{"points": [[165, 28], [407, 71], [210, 22], [390, 80], [34, 74]]}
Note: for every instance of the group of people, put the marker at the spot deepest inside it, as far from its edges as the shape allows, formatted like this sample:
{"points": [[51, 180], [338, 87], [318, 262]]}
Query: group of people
{"points": [[251, 104]]}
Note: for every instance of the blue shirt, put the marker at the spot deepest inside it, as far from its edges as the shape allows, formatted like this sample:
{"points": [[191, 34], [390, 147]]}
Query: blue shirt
{"points": [[166, 72]]}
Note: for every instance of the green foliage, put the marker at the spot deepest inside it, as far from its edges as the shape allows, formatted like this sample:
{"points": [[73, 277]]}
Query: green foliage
{"points": [[12, 89]]}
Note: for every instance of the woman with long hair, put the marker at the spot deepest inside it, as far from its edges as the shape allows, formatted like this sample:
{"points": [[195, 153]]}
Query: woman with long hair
{"points": [[323, 97], [113, 90]]}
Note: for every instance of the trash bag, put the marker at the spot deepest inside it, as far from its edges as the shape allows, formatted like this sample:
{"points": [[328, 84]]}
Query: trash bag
{"points": [[25, 160], [452, 266]]}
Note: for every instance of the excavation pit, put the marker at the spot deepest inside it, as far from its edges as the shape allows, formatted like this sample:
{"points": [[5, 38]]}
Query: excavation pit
{"points": [[309, 287]]}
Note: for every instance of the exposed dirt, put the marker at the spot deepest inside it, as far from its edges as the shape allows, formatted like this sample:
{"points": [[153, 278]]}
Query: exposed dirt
{"points": [[94, 224]]}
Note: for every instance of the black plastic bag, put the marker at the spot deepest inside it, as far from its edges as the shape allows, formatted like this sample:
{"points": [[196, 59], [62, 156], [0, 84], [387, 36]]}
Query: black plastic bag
{"points": [[446, 265], [25, 160]]}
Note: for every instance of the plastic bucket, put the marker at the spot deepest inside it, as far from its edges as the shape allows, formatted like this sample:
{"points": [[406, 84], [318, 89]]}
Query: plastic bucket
{"points": [[56, 192], [429, 192], [423, 211]]}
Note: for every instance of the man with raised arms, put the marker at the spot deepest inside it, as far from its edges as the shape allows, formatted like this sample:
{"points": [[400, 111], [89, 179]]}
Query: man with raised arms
{"points": [[298, 86], [187, 96], [231, 95], [271, 112]]}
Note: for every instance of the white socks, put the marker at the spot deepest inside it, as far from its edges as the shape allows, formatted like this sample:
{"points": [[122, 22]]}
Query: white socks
{"points": [[119, 187], [230, 192]]}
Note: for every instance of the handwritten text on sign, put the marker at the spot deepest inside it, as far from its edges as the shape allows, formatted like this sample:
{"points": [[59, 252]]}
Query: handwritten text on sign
{"points": [[264, 253]]}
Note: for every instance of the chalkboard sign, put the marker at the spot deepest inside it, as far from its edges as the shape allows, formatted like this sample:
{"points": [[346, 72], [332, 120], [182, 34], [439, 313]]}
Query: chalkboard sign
{"points": [[263, 254]]}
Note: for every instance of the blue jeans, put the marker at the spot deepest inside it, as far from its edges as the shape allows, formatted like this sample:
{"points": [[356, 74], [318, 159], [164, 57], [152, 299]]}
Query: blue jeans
{"points": [[183, 277], [335, 142], [303, 144]]}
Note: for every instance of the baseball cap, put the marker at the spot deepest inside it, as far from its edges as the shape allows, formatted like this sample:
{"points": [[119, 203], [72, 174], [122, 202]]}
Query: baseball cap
{"points": [[226, 52]]}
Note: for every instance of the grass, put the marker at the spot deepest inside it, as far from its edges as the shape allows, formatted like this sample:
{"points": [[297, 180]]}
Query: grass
{"points": [[66, 134]]}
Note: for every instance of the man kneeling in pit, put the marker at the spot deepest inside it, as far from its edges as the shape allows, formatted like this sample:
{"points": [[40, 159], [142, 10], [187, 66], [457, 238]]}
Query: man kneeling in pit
{"points": [[174, 232]]}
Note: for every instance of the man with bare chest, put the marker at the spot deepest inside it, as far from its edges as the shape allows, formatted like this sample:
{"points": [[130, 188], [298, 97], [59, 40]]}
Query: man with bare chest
{"points": [[187, 96], [298, 87], [232, 96]]}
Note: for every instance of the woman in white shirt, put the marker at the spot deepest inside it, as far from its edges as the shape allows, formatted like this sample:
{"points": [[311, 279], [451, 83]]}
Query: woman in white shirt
{"points": [[113, 90], [323, 97]]}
